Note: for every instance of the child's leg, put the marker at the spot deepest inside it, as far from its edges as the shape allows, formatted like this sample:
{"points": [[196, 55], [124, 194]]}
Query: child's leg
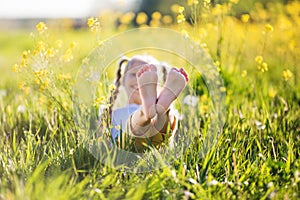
{"points": [[142, 131], [161, 122], [175, 83], [141, 124], [147, 83], [148, 132], [147, 80]]}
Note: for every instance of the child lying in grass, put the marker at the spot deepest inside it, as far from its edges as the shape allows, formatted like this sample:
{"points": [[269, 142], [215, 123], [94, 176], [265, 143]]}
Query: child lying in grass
{"points": [[148, 116]]}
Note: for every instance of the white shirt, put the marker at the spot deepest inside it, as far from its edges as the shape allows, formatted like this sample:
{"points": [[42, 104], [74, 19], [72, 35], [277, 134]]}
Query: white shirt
{"points": [[120, 117]]}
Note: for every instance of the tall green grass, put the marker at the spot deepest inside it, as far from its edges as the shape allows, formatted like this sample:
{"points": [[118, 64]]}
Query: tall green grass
{"points": [[257, 154]]}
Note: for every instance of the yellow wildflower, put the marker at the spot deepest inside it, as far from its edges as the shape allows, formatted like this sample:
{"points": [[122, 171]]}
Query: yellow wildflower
{"points": [[175, 8], [73, 44], [141, 18], [244, 73], [127, 18], [24, 63], [50, 53], [41, 46], [167, 19], [41, 27], [91, 21], [65, 104], [64, 76], [44, 85], [206, 3], [156, 15], [272, 92], [269, 28], [263, 67], [217, 63], [41, 73], [180, 18], [259, 59], [68, 56], [111, 87], [21, 85], [222, 89], [287, 74], [204, 98], [25, 54], [245, 18], [203, 109], [37, 80], [15, 68], [99, 100], [181, 9]]}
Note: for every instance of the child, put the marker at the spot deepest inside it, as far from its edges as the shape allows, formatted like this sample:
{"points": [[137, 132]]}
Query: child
{"points": [[147, 117]]}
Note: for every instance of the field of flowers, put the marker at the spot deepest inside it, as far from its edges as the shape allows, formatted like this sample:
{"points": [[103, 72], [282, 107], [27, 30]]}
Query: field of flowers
{"points": [[43, 151]]}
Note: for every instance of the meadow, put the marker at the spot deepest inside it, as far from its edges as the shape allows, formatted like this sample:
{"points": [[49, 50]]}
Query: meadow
{"points": [[43, 151]]}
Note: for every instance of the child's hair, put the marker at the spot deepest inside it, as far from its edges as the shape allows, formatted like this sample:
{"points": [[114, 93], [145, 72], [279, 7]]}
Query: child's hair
{"points": [[148, 59]]}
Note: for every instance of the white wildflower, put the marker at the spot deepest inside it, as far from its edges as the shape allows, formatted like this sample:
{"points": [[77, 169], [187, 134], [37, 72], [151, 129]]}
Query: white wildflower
{"points": [[21, 109], [191, 100], [259, 125], [193, 181], [213, 182]]}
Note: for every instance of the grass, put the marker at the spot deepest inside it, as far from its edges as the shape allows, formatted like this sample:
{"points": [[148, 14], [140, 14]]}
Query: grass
{"points": [[44, 154]]}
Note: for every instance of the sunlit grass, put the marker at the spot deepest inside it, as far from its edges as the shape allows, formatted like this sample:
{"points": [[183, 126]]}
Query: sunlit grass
{"points": [[257, 154]]}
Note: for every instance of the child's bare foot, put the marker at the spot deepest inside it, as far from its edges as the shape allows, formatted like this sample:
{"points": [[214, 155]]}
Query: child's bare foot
{"points": [[175, 83], [147, 83]]}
